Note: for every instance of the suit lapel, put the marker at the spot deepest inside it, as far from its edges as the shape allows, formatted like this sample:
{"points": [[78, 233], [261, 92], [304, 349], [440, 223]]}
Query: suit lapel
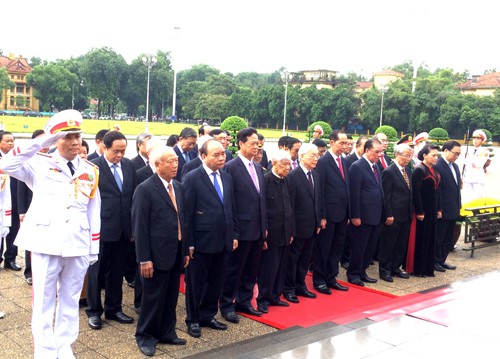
{"points": [[208, 182], [334, 165], [399, 174], [160, 187], [306, 183], [245, 173]]}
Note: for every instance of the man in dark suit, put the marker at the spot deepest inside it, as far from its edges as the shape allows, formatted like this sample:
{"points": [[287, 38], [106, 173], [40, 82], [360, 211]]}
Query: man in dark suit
{"points": [[222, 137], [321, 146], [367, 204], [292, 146], [358, 151], [305, 192], [384, 160], [250, 213], [451, 202], [197, 162], [212, 235], [116, 184], [229, 154], [334, 175], [99, 145], [159, 231], [281, 230], [183, 149], [395, 231], [141, 160]]}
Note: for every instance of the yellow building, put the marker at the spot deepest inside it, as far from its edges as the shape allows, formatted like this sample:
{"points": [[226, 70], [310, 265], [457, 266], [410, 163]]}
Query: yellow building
{"points": [[481, 85], [321, 78], [384, 78], [19, 98]]}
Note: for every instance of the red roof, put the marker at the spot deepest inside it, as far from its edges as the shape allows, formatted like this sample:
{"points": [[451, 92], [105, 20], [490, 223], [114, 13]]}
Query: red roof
{"points": [[364, 84], [19, 64], [491, 80]]}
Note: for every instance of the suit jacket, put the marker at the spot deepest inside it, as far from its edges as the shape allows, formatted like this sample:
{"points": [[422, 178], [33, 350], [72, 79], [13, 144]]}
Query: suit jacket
{"points": [[155, 222], [138, 162], [188, 167], [451, 201], [335, 195], [229, 155], [397, 194], [116, 205], [24, 197], [191, 154], [306, 202], [387, 160], [143, 174], [250, 205], [353, 157], [93, 156], [210, 222], [367, 197]]}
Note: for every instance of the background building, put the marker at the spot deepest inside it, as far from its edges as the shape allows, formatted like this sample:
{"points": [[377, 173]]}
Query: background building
{"points": [[19, 98]]}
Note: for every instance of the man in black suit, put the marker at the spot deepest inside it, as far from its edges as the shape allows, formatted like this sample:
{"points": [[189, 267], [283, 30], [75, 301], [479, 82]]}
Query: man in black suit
{"points": [[212, 235], [451, 202], [222, 137], [305, 192], [292, 146], [229, 154], [334, 175], [358, 151], [250, 213], [281, 230], [197, 162], [99, 145], [384, 160], [116, 184], [321, 146], [141, 160], [183, 149], [159, 231], [367, 203], [395, 232]]}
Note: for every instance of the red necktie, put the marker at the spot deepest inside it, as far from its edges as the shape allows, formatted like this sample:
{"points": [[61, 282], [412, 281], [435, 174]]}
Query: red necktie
{"points": [[382, 159], [375, 173], [340, 167]]}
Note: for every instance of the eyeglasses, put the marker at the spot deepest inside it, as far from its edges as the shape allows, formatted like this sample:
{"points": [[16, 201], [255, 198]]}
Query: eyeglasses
{"points": [[406, 156], [456, 153]]}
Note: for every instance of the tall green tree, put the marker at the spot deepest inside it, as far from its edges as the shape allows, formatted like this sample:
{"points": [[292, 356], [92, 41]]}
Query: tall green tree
{"points": [[5, 82]]}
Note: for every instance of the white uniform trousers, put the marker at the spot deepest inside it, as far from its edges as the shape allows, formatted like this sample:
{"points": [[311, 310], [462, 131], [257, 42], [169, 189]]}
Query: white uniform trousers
{"points": [[57, 284], [472, 191]]}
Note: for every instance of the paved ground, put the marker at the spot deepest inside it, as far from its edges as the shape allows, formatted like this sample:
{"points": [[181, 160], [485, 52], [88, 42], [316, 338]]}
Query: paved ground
{"points": [[117, 340]]}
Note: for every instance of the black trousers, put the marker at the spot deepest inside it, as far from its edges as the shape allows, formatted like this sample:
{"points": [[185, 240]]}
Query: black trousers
{"points": [[364, 240], [158, 318], [272, 273], [243, 268], [205, 277], [107, 272], [444, 239], [299, 257], [328, 250], [10, 248], [27, 264], [393, 245]]}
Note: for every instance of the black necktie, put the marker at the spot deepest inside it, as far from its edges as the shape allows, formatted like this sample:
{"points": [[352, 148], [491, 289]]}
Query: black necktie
{"points": [[309, 177], [71, 168]]}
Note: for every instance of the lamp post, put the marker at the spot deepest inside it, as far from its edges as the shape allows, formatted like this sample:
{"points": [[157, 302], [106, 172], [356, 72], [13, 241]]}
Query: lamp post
{"points": [[174, 68], [284, 76], [149, 61], [382, 104], [72, 96]]}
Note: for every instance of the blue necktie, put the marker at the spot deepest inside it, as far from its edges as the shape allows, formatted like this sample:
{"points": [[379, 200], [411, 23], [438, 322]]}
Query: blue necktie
{"points": [[186, 157], [217, 187], [117, 177]]}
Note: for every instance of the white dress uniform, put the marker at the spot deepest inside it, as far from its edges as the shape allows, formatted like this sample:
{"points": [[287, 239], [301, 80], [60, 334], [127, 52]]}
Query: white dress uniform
{"points": [[474, 175], [61, 229], [3, 206]]}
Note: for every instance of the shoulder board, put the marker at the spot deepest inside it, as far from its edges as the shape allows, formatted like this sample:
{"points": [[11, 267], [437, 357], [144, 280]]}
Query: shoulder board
{"points": [[44, 154], [90, 163]]}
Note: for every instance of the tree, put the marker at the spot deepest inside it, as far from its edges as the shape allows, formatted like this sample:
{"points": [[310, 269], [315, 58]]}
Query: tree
{"points": [[5, 81]]}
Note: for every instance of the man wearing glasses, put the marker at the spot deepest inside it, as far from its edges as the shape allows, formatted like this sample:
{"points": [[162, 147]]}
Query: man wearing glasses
{"points": [[384, 159]]}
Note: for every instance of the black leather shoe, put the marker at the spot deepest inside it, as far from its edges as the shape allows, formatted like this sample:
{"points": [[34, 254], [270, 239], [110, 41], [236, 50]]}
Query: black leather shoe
{"points": [[249, 310], [131, 284], [148, 351], [194, 330], [323, 289], [120, 317], [448, 266], [292, 298], [263, 307], [345, 265], [95, 322], [175, 341], [357, 281], [401, 274], [137, 310], [387, 278], [12, 266], [419, 275], [438, 268], [279, 303], [214, 324], [367, 279], [338, 286], [305, 293], [29, 280], [231, 317]]}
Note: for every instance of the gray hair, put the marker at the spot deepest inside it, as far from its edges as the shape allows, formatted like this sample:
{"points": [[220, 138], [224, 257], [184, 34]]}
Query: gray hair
{"points": [[281, 155], [158, 152], [306, 147], [142, 137], [401, 148]]}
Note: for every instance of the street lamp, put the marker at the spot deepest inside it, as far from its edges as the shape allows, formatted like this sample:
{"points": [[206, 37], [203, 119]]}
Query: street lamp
{"points": [[174, 67], [149, 61], [284, 76], [73, 93], [382, 104]]}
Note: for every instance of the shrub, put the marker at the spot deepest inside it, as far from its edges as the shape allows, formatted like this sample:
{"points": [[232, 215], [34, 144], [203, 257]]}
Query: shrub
{"points": [[438, 134], [327, 130], [233, 124], [390, 132]]}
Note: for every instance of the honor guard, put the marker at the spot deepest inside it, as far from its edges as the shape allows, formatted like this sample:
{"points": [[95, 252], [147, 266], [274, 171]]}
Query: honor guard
{"points": [[474, 174]]}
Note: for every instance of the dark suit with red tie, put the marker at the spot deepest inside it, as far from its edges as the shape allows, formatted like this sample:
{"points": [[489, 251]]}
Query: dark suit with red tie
{"points": [[383, 164], [367, 203]]}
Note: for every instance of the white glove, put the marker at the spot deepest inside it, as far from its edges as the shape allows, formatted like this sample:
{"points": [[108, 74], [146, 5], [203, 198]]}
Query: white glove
{"points": [[49, 139], [5, 231], [92, 259]]}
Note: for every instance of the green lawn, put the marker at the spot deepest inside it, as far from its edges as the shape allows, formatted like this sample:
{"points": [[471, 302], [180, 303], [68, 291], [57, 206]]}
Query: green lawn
{"points": [[20, 124]]}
